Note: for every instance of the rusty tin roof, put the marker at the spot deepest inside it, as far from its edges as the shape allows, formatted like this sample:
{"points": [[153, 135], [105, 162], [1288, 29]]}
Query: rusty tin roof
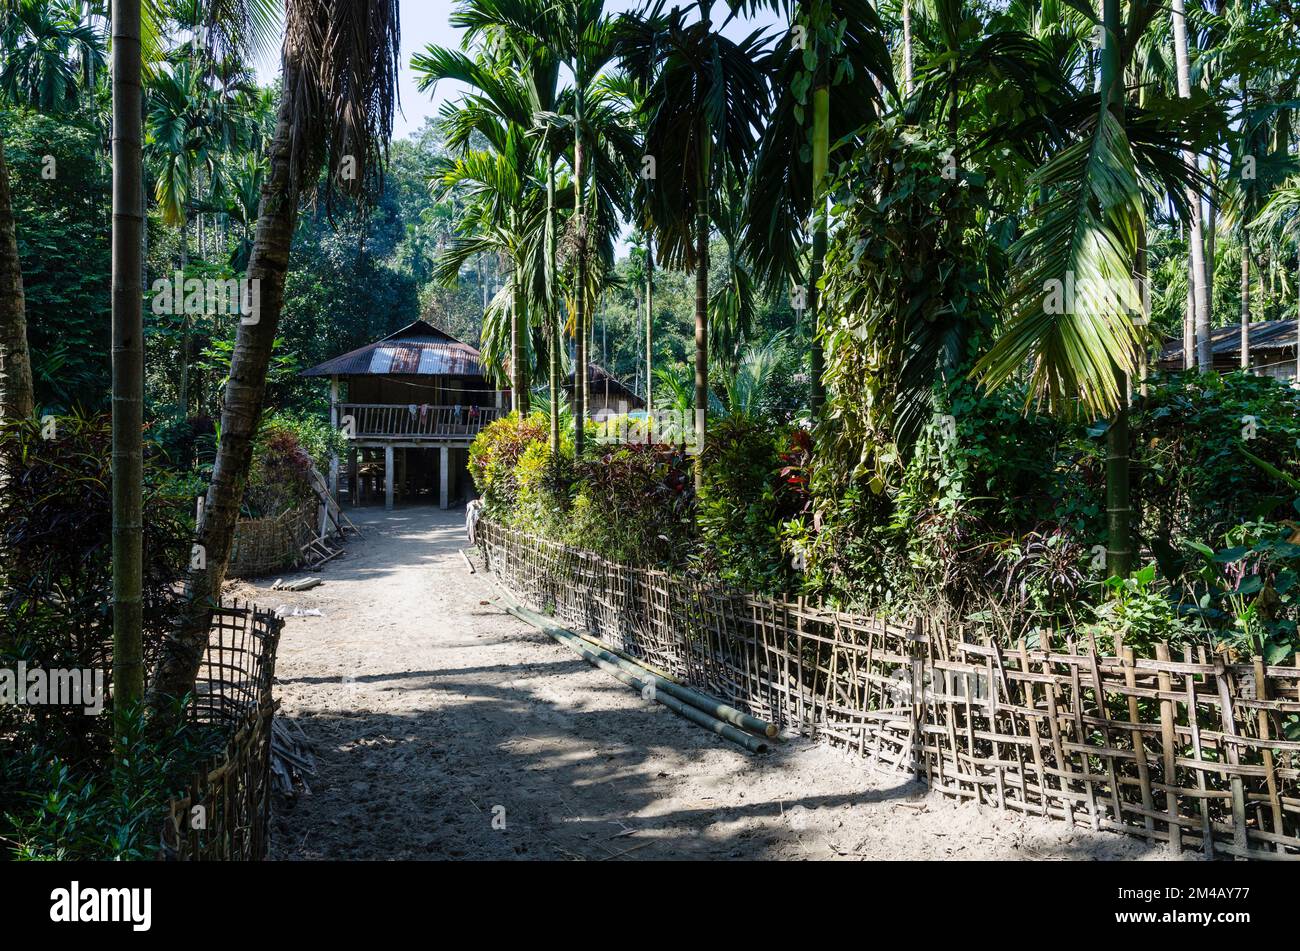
{"points": [[419, 349]]}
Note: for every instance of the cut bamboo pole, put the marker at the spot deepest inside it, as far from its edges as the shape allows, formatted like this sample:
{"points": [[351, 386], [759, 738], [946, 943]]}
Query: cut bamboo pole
{"points": [[661, 690], [710, 705]]}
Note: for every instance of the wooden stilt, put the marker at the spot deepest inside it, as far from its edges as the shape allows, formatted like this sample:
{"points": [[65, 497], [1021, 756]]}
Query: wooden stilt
{"points": [[354, 487], [334, 423], [388, 478], [444, 474]]}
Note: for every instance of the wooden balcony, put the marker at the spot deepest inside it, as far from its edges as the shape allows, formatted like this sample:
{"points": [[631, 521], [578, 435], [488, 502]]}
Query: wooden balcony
{"points": [[376, 422]]}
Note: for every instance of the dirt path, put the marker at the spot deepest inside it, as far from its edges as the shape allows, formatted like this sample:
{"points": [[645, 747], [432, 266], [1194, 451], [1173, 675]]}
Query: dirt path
{"points": [[433, 713]]}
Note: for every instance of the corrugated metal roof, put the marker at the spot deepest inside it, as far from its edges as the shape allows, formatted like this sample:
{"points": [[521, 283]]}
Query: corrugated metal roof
{"points": [[1226, 341], [419, 349], [597, 376]]}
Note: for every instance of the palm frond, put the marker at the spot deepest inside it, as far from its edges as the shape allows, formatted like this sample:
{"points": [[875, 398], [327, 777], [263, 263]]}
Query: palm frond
{"points": [[1075, 292]]}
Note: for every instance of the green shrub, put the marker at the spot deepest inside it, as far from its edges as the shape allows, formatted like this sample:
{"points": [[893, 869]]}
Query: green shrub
{"points": [[635, 504], [288, 445], [1139, 612], [1248, 594], [743, 502], [107, 808], [60, 793], [544, 494], [1192, 479], [496, 452], [56, 570], [992, 506], [313, 432]]}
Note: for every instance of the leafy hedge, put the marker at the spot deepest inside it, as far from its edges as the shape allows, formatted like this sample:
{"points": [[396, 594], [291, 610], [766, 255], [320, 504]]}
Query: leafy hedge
{"points": [[994, 515]]}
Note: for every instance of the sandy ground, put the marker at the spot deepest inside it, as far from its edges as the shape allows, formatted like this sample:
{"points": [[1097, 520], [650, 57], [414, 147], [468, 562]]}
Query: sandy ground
{"points": [[445, 728]]}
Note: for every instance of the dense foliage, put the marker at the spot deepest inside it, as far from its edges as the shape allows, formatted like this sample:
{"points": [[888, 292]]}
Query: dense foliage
{"points": [[994, 518], [62, 792]]}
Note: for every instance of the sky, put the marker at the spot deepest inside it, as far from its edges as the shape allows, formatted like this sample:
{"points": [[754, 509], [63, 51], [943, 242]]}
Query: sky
{"points": [[425, 21]]}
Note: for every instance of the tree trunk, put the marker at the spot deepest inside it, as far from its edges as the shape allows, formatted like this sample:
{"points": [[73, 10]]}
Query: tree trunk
{"points": [[1211, 233], [1198, 274], [1142, 271], [580, 292], [649, 321], [701, 340], [821, 153], [1267, 264], [589, 338], [185, 326], [518, 362], [907, 48], [1245, 299], [245, 392], [553, 307], [1119, 535], [128, 360], [17, 398]]}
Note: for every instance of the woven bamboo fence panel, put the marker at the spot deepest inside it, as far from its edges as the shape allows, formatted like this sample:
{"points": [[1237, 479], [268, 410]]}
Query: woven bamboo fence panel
{"points": [[263, 546], [1185, 750], [233, 790]]}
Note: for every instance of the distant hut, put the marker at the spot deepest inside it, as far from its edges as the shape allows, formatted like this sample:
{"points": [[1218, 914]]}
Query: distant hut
{"points": [[608, 395], [410, 404], [1272, 349]]}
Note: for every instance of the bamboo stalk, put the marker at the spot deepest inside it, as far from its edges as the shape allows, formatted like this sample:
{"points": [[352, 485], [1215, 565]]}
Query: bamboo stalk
{"points": [[663, 691]]}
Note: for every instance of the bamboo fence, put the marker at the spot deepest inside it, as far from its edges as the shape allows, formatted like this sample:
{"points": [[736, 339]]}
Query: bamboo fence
{"points": [[263, 546], [1187, 750], [224, 812]]}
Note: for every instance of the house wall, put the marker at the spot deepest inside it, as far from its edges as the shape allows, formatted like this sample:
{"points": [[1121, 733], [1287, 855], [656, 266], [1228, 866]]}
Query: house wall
{"points": [[1279, 364]]}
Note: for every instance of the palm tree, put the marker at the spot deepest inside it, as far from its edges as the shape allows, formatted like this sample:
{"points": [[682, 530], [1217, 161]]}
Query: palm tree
{"points": [[1261, 163], [502, 215], [194, 127], [705, 97], [338, 94], [500, 111], [585, 38], [1088, 232], [501, 26], [632, 94], [52, 52], [785, 197], [1279, 221], [731, 300], [1199, 280]]}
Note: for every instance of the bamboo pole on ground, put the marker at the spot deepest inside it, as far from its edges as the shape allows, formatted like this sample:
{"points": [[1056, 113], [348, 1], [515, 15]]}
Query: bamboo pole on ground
{"points": [[662, 691]]}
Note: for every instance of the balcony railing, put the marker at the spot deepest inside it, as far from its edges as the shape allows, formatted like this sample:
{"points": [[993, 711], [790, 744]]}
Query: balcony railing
{"points": [[415, 421]]}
